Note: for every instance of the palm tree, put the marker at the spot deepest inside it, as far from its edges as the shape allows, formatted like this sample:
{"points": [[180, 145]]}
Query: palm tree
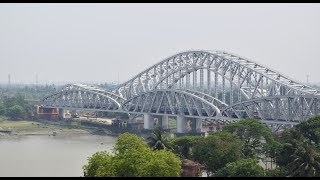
{"points": [[306, 161], [158, 140]]}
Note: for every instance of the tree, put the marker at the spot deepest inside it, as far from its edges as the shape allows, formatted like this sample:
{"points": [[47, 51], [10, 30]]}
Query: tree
{"points": [[242, 168], [163, 164], [310, 129], [158, 140], [272, 150], [15, 106], [290, 140], [253, 133], [2, 109], [277, 172], [15, 111], [132, 157], [183, 145], [99, 165], [306, 161], [216, 150], [298, 156]]}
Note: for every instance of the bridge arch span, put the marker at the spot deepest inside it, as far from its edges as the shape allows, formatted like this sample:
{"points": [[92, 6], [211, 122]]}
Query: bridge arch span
{"points": [[212, 72], [171, 102], [77, 96]]}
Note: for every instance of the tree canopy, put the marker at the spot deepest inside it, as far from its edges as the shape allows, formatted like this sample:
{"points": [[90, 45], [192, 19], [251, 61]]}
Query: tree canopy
{"points": [[132, 157], [158, 140], [242, 168], [183, 145], [310, 129], [216, 150], [253, 133]]}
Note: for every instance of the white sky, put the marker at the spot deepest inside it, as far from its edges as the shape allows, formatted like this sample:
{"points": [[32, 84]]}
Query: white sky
{"points": [[95, 42]]}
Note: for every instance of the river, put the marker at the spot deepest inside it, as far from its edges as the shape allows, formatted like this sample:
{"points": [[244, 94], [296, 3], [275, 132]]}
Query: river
{"points": [[49, 156]]}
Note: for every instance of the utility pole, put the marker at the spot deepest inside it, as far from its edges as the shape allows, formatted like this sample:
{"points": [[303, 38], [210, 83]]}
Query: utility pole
{"points": [[307, 78]]}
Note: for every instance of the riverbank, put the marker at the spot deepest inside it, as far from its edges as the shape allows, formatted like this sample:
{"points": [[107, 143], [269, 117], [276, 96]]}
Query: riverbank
{"points": [[66, 127], [12, 128]]}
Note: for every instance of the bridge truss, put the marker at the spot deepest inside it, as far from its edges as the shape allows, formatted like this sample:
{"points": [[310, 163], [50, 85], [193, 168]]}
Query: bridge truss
{"points": [[201, 84]]}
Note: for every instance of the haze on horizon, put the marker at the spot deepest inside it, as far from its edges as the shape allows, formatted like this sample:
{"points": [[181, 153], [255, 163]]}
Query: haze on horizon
{"points": [[114, 42]]}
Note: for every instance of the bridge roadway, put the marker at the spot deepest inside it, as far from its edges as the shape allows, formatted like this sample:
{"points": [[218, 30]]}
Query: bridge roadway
{"points": [[196, 85]]}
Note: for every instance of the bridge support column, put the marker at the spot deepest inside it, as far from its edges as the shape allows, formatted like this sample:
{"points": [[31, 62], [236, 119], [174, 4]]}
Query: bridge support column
{"points": [[198, 125], [62, 113], [148, 121], [181, 124], [164, 122]]}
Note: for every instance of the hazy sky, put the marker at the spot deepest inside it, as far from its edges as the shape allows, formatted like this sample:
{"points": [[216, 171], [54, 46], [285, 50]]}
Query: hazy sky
{"points": [[95, 42]]}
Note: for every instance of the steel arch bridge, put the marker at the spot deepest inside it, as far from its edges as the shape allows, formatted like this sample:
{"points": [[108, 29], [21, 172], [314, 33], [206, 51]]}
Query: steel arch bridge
{"points": [[200, 84]]}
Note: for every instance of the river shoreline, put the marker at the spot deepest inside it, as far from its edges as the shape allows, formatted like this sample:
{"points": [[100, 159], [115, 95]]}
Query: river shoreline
{"points": [[19, 128], [12, 129]]}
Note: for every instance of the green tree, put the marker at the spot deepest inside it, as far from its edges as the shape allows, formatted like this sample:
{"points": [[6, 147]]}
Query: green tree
{"points": [[277, 172], [272, 150], [298, 155], [163, 164], [310, 129], [158, 140], [290, 140], [15, 111], [132, 157], [100, 164], [306, 161], [2, 109], [253, 133], [216, 150], [183, 145], [242, 168]]}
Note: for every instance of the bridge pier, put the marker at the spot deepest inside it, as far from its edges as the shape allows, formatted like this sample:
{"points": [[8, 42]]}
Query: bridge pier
{"points": [[197, 127], [148, 121], [164, 122], [182, 127], [61, 113], [182, 124]]}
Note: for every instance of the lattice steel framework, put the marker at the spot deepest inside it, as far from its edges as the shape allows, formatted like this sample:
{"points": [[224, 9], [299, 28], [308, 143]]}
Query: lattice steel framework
{"points": [[171, 102], [78, 96], [224, 83]]}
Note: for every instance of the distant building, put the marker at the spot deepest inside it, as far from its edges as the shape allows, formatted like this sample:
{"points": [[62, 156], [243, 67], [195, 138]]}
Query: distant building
{"points": [[46, 113]]}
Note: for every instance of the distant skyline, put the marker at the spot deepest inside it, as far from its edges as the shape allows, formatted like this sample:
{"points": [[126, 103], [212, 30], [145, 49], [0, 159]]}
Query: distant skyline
{"points": [[93, 43]]}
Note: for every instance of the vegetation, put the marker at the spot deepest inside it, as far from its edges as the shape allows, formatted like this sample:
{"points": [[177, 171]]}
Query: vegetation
{"points": [[158, 140], [310, 129], [216, 150], [132, 157], [295, 151], [183, 146], [254, 135], [242, 168], [14, 107]]}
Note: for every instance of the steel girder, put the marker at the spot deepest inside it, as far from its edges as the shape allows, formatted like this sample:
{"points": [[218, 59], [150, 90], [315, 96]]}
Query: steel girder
{"points": [[171, 102], [77, 96], [277, 109]]}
